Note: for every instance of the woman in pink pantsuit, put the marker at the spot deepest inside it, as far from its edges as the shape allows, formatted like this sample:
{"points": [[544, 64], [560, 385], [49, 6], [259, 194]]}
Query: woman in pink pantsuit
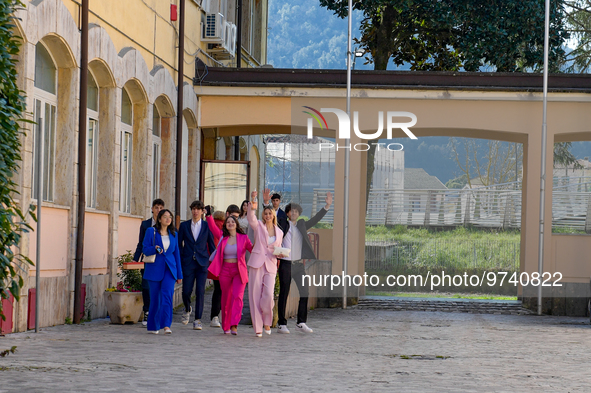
{"points": [[262, 267], [229, 265]]}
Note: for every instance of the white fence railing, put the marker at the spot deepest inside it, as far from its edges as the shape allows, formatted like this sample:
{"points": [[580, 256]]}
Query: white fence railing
{"points": [[488, 208]]}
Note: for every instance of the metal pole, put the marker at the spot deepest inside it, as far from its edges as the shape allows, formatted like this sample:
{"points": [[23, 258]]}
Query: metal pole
{"points": [[179, 115], [78, 302], [38, 185], [347, 147], [544, 136]]}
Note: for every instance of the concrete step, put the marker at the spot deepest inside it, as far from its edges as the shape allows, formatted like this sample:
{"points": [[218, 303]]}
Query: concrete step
{"points": [[444, 305]]}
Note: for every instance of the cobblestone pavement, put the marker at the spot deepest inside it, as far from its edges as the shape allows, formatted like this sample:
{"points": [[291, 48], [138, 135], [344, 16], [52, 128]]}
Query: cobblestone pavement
{"points": [[350, 350]]}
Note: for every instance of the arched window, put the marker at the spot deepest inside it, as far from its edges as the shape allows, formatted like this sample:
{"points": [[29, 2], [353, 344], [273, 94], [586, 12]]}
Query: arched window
{"points": [[157, 148], [92, 141], [44, 113], [126, 152]]}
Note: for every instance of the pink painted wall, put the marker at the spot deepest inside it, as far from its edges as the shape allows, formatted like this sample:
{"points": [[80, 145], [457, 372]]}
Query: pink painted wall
{"points": [[96, 243], [129, 232], [54, 242]]}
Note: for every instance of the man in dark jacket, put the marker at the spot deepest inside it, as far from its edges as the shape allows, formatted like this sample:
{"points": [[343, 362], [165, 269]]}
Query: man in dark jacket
{"points": [[196, 245], [275, 202], [295, 237], [157, 205]]}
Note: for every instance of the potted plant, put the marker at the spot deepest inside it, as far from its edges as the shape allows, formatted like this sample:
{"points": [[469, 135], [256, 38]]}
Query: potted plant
{"points": [[124, 302]]}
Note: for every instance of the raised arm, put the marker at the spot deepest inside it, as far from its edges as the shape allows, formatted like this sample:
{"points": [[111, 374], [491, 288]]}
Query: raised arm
{"points": [[217, 232], [321, 213], [252, 206]]}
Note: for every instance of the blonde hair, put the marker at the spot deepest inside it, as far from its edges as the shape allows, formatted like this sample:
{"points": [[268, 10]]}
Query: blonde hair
{"points": [[219, 215], [273, 212]]}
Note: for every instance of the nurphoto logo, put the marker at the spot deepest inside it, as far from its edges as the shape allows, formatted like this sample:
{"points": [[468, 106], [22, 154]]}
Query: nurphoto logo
{"points": [[344, 131]]}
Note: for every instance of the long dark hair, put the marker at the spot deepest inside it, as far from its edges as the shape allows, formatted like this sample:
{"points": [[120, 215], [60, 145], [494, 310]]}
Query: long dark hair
{"points": [[238, 229], [171, 228], [242, 210]]}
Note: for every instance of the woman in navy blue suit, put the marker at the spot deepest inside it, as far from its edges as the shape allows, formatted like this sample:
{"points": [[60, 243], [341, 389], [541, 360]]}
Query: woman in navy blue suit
{"points": [[162, 240]]}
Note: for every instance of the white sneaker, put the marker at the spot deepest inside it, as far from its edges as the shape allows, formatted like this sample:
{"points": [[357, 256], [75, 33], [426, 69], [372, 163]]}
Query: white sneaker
{"points": [[186, 315], [215, 322], [145, 321], [197, 324], [283, 329], [302, 327]]}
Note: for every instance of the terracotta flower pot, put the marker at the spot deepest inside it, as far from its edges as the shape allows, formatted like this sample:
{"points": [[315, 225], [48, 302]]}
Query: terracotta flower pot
{"points": [[124, 306]]}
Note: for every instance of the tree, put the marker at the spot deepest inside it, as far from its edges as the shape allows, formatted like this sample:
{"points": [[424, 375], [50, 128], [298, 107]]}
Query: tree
{"points": [[564, 157], [12, 107], [578, 24], [490, 163], [451, 35]]}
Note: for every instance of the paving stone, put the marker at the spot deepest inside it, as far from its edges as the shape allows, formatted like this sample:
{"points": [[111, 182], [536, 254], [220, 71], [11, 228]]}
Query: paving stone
{"points": [[354, 350]]}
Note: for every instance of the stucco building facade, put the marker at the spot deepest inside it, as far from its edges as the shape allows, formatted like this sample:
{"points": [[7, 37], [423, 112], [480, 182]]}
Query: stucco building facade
{"points": [[131, 145]]}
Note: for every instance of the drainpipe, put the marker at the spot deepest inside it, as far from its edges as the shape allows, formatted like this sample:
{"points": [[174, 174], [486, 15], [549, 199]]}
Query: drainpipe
{"points": [[81, 163], [239, 34], [179, 114]]}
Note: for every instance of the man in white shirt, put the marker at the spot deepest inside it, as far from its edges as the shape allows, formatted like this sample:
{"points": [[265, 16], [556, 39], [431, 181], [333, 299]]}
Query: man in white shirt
{"points": [[195, 244], [296, 239]]}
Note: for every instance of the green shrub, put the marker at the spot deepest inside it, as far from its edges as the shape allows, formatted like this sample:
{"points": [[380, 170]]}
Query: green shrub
{"points": [[13, 221]]}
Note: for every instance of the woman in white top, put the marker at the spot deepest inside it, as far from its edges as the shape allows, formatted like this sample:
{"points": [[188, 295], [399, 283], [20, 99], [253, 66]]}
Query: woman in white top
{"points": [[262, 267], [162, 241]]}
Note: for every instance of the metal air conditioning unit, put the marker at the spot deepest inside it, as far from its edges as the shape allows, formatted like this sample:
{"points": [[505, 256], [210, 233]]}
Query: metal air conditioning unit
{"points": [[213, 29]]}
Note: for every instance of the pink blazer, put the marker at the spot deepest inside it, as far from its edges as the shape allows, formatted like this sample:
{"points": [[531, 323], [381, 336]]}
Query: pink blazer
{"points": [[262, 253], [243, 243]]}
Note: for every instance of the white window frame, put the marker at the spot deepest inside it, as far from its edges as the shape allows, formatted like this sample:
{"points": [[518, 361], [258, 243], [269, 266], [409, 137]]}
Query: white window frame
{"points": [[92, 158], [48, 167], [126, 162], [156, 155], [126, 167]]}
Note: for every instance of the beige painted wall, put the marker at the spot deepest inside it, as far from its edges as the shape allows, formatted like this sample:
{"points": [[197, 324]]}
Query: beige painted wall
{"points": [[96, 243], [54, 242], [129, 231]]}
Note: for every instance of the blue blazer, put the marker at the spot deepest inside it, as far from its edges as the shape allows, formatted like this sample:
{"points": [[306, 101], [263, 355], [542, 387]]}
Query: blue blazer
{"points": [[195, 252], [171, 257], [138, 250]]}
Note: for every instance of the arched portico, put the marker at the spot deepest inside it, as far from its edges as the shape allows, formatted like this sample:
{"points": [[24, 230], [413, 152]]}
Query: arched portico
{"points": [[510, 112]]}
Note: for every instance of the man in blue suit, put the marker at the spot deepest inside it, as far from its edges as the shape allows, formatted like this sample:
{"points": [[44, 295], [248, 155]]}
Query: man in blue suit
{"points": [[196, 245], [157, 205]]}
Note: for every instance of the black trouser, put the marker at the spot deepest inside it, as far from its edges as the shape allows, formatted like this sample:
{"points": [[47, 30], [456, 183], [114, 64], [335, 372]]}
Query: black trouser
{"points": [[194, 273], [288, 270], [145, 292], [216, 299]]}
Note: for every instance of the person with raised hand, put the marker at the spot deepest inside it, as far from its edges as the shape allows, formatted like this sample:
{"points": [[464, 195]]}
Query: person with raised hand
{"points": [[262, 266], [292, 266], [229, 266]]}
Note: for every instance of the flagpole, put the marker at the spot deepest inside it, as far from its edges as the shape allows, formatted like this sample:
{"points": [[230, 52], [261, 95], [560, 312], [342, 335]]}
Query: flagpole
{"points": [[347, 152], [544, 147]]}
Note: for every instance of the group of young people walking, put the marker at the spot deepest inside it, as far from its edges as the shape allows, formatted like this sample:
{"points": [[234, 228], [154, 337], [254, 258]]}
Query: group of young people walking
{"points": [[233, 250]]}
